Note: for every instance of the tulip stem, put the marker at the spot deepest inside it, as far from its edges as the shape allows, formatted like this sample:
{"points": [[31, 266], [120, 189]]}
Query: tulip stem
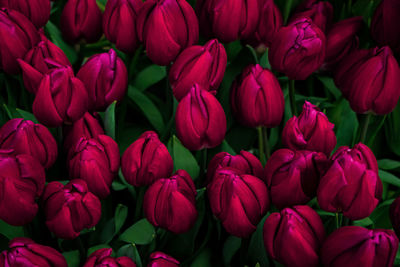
{"points": [[204, 171], [261, 145], [82, 250], [337, 220], [139, 203], [253, 52], [292, 98], [266, 143], [364, 126]]}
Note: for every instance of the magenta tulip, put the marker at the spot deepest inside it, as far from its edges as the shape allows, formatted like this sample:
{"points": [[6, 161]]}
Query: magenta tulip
{"points": [[160, 259], [37, 11], [320, 12], [102, 257]]}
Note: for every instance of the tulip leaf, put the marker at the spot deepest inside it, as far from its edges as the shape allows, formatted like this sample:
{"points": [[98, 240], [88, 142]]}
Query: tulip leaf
{"points": [[149, 76], [56, 38], [231, 246], [203, 259], [183, 158], [330, 85], [27, 115], [121, 212], [130, 250], [141, 233], [10, 231], [72, 258], [389, 178], [256, 252], [388, 164], [149, 109], [109, 120], [93, 249]]}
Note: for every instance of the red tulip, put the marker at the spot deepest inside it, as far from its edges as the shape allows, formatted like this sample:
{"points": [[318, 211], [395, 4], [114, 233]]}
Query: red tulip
{"points": [[37, 11], [102, 257], [160, 259], [320, 12]]}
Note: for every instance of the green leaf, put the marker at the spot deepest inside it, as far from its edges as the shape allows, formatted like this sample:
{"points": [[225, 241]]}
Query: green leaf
{"points": [[183, 158], [227, 148], [264, 61], [72, 258], [10, 231], [121, 212], [130, 250], [257, 252], [56, 38], [141, 233], [389, 178], [364, 222], [27, 115], [388, 164], [203, 259], [109, 120], [231, 246], [93, 249], [330, 85], [149, 109], [149, 76]]}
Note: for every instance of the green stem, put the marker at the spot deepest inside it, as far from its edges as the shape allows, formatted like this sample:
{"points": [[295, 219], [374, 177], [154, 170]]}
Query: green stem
{"points": [[286, 10], [244, 249], [337, 220], [204, 165], [133, 61], [253, 52], [139, 203], [292, 97], [82, 250], [349, 6], [261, 145], [266, 143], [364, 126]]}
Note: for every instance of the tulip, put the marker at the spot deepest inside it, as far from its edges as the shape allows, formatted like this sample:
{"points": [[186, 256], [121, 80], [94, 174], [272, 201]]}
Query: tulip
{"points": [[170, 203], [394, 214], [200, 120], [298, 49], [158, 259], [81, 19], [102, 257], [311, 130], [86, 127], [26, 137], [228, 20], [351, 185], [204, 65], [293, 176], [17, 35], [37, 11], [22, 180], [120, 18], [25, 252], [60, 98], [238, 200], [105, 78], [146, 160], [320, 12], [245, 163], [96, 161], [293, 237], [257, 98], [383, 24], [369, 80], [166, 27], [34, 65], [71, 208], [358, 246]]}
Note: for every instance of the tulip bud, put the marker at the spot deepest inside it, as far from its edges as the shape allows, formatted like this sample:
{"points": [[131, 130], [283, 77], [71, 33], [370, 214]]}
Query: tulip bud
{"points": [[81, 19], [228, 20], [61, 98], [18, 35], [358, 246], [351, 185], [383, 24], [245, 163], [238, 200], [164, 38], [294, 236], [341, 40], [86, 127], [369, 80], [102, 257], [71, 208], [146, 160], [257, 98], [293, 176], [37, 11], [298, 49], [22, 180], [320, 12], [26, 137], [170, 203], [96, 161], [25, 252], [120, 18], [158, 259], [105, 78], [311, 130], [204, 65]]}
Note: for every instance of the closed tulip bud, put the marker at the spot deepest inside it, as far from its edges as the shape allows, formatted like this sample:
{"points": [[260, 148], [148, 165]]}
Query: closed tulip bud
{"points": [[164, 38], [341, 40], [238, 200], [37, 11], [146, 160], [170, 203], [200, 120], [22, 180], [294, 236], [86, 127], [27, 137], [105, 78], [71, 208], [102, 257], [298, 49], [394, 214], [245, 163], [257, 98], [204, 65], [351, 185], [320, 12], [25, 252], [357, 246], [60, 98], [383, 24], [96, 161], [293, 176], [81, 19], [311, 130], [369, 80], [119, 18], [228, 20], [158, 259], [18, 35]]}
